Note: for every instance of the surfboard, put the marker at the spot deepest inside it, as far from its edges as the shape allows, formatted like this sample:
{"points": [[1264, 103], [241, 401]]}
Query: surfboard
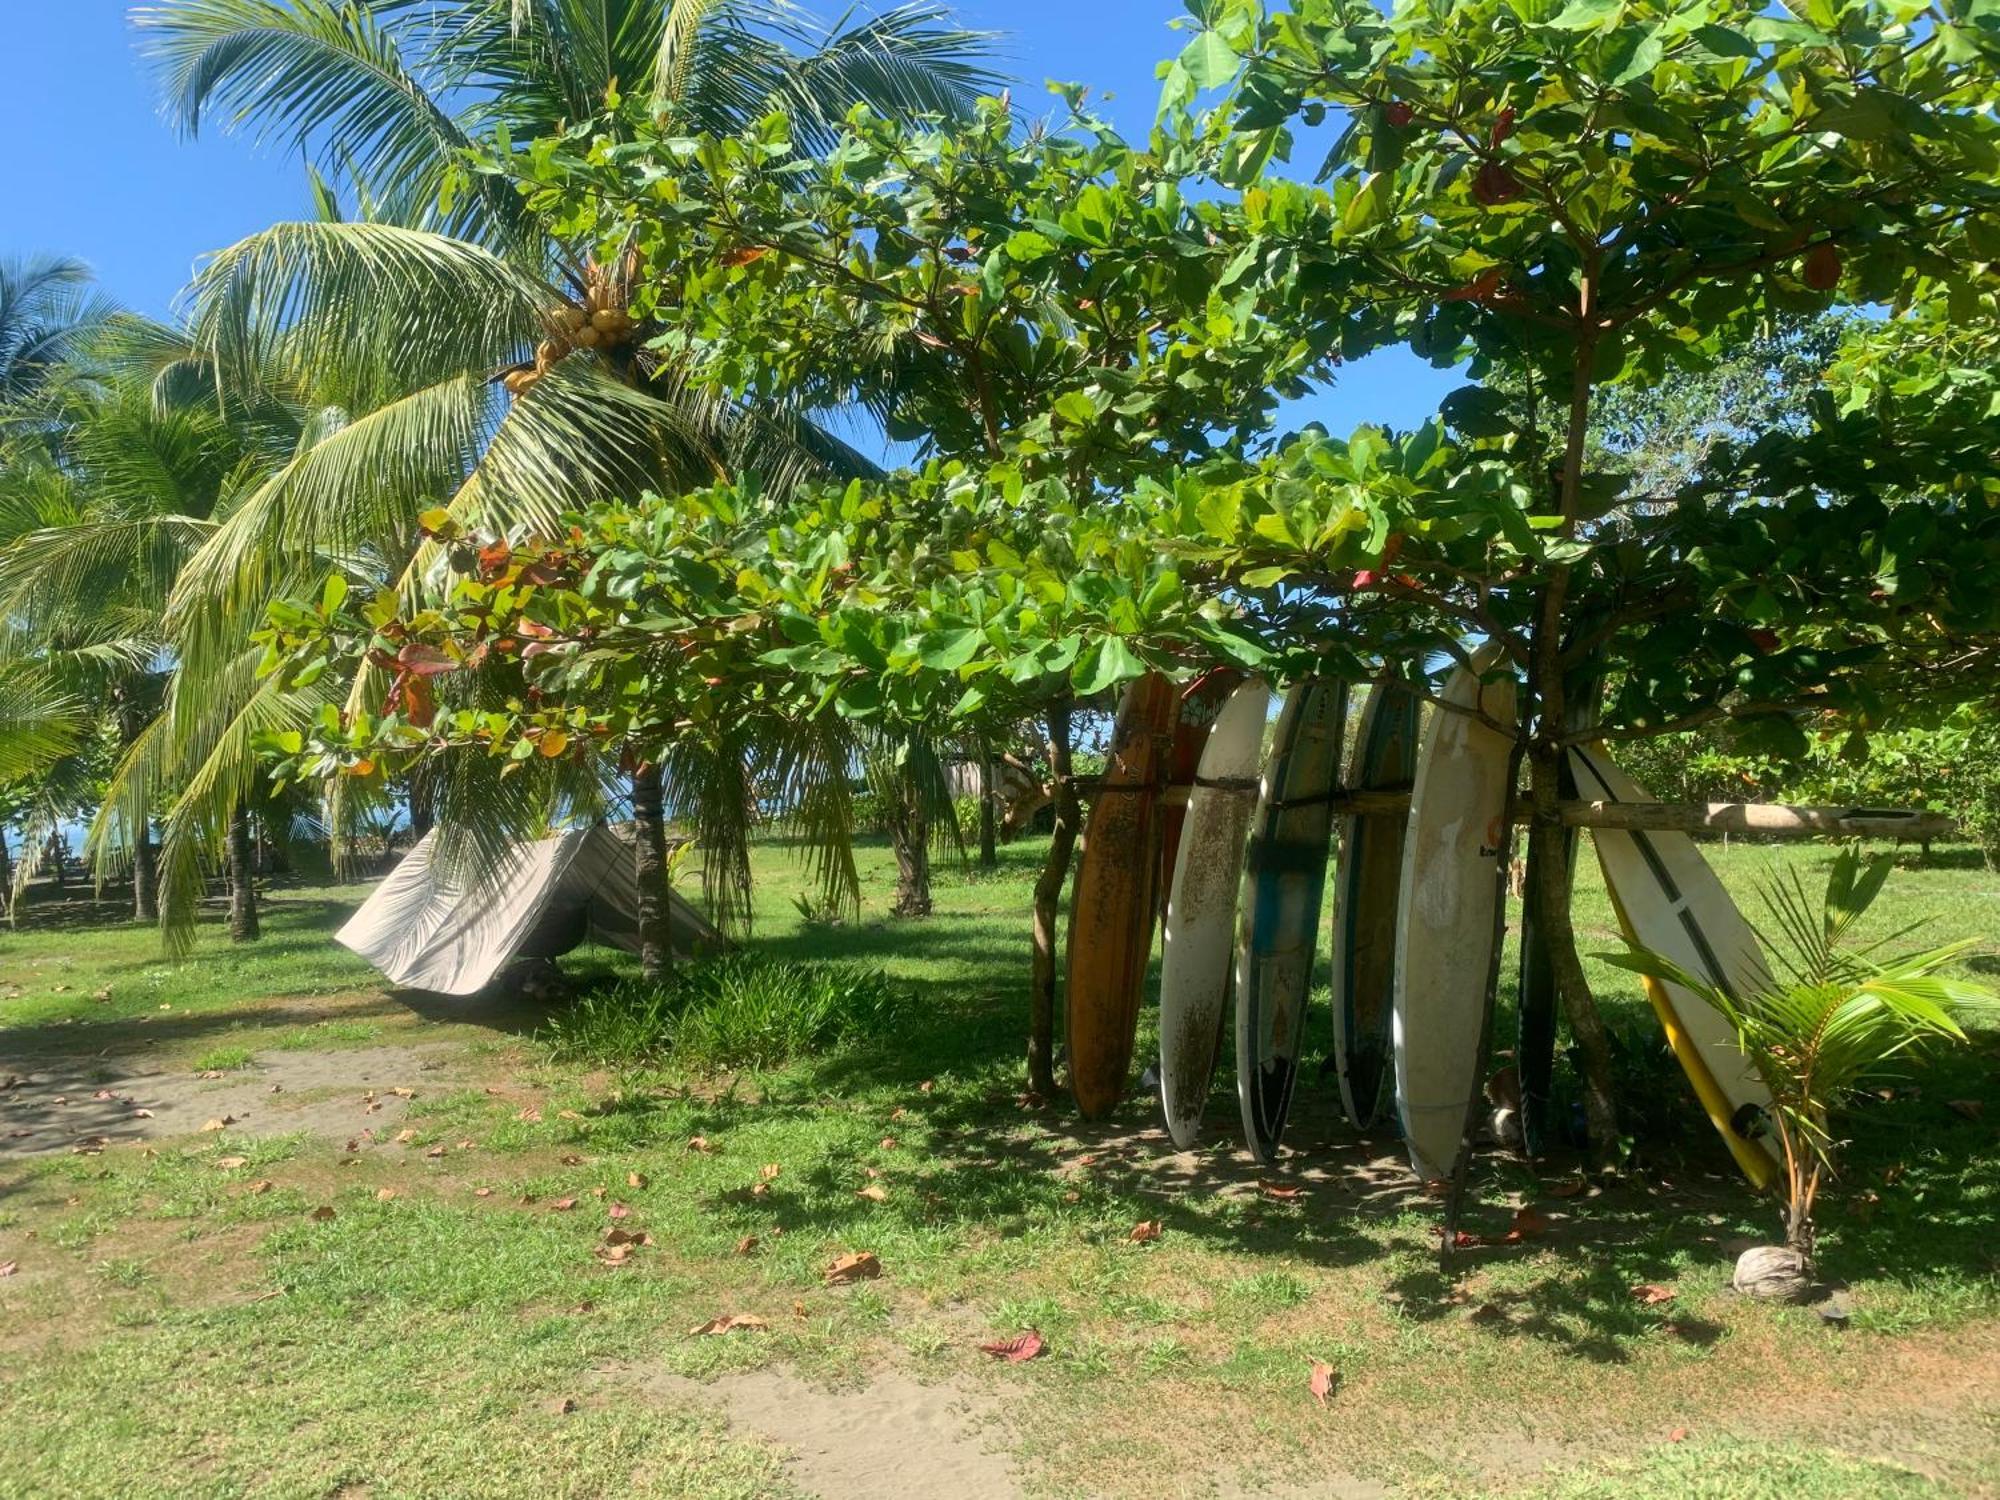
{"points": [[1200, 945], [1111, 913], [1668, 900], [1448, 918], [1291, 831], [1367, 888], [1200, 701]]}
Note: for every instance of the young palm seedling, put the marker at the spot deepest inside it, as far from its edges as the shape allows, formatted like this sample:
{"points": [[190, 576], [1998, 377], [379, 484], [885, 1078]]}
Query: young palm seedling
{"points": [[1838, 1015]]}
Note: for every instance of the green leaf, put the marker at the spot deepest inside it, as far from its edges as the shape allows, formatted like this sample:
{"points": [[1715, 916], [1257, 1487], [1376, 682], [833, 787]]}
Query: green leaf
{"points": [[947, 651], [1108, 664], [1209, 60], [1583, 15]]}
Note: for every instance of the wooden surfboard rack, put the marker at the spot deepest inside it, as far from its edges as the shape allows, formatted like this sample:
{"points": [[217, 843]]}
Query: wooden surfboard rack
{"points": [[1770, 819]]}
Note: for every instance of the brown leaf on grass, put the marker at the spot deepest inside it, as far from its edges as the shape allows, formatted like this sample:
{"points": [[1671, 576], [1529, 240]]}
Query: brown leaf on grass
{"points": [[924, 1087], [1088, 1159], [142, 1114], [435, 1152], [1971, 1109], [1017, 1350], [769, 1171], [1894, 1175], [563, 1205], [888, 1143], [322, 1213], [1678, 1435], [1529, 1222], [700, 1143], [619, 1211], [745, 1245], [798, 1307], [1575, 1187], [383, 1195], [568, 1114], [615, 1236], [8, 1268], [261, 1185], [1144, 1232], [1652, 1295], [730, 1323], [874, 1193], [404, 1093], [482, 1192], [570, 1159], [103, 1094], [1283, 1192], [562, 1406], [404, 1137], [897, 1113], [635, 1179], [862, 1265], [231, 1163], [1324, 1379], [531, 1115], [222, 1124]]}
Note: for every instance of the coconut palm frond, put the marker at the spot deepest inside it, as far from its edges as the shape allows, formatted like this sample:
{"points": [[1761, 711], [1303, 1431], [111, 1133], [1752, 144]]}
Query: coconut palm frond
{"points": [[807, 766], [321, 296], [40, 722], [327, 79], [708, 786]]}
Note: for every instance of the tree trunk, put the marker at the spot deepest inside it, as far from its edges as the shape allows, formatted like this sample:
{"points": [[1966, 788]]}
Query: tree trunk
{"points": [[145, 873], [6, 872], [989, 856], [1048, 894], [649, 822], [910, 837], [1548, 858], [58, 856], [243, 923]]}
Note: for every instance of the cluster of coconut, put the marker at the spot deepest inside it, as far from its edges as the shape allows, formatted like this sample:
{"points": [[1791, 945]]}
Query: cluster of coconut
{"points": [[600, 321]]}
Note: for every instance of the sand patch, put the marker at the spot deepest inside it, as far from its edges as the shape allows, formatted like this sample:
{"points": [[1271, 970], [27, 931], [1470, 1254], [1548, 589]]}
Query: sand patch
{"points": [[893, 1438], [70, 1104]]}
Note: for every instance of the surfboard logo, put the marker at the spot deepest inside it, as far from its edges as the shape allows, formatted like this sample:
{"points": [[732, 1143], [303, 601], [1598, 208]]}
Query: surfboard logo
{"points": [[1496, 836]]}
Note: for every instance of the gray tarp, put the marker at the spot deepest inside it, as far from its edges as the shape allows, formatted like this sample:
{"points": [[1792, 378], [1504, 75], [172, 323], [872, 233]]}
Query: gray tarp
{"points": [[426, 930]]}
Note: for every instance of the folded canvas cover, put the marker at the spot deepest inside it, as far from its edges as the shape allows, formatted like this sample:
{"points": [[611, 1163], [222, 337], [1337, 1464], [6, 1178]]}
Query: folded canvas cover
{"points": [[427, 930]]}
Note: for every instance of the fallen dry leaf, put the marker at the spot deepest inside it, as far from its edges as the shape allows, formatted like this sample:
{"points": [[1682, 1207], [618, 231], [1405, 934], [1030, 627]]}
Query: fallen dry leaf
{"points": [[404, 1093], [730, 1323], [563, 1205], [1017, 1350], [1281, 1191], [700, 1143], [404, 1137], [142, 1114], [322, 1213], [769, 1171], [862, 1265], [798, 1307], [1678, 1435], [745, 1245], [874, 1193], [222, 1124], [1144, 1232], [261, 1185], [8, 1268], [383, 1195], [570, 1159], [1575, 1187], [562, 1406], [482, 1192], [1652, 1295], [1324, 1379], [635, 1179], [888, 1143], [531, 1115], [1529, 1222], [620, 1211], [230, 1163], [435, 1152], [1971, 1109]]}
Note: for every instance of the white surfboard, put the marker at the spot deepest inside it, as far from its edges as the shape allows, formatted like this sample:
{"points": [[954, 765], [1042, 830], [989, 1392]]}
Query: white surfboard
{"points": [[1200, 948], [1670, 902], [1448, 920]]}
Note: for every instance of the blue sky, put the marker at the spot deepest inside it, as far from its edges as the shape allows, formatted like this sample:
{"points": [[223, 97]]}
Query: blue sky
{"points": [[92, 170]]}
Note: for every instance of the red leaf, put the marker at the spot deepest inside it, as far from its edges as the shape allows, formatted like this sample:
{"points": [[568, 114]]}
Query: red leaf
{"points": [[1529, 1222], [1017, 1350], [1652, 1295], [745, 255], [1145, 1232], [424, 661], [563, 1205], [1503, 124], [1324, 1379], [494, 558]]}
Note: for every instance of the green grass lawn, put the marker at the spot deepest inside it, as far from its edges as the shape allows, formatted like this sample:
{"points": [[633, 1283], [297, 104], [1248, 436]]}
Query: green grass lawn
{"points": [[418, 1299]]}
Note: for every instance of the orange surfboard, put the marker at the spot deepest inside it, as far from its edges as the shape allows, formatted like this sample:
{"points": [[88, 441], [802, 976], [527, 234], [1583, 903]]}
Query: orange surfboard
{"points": [[1111, 916]]}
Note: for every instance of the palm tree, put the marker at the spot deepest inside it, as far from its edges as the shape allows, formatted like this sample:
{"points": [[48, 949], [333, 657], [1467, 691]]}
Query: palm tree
{"points": [[515, 385]]}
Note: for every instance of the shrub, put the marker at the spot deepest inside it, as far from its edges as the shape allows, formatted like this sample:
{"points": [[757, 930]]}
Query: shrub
{"points": [[743, 1010]]}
